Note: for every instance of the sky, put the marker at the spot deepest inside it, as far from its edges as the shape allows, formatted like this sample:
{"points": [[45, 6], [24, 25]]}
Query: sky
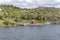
{"points": [[32, 3]]}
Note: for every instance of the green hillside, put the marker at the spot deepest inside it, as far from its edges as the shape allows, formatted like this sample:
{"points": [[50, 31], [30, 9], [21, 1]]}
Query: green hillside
{"points": [[12, 15]]}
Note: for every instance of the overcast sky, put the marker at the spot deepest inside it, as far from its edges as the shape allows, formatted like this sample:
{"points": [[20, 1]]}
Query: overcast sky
{"points": [[32, 3]]}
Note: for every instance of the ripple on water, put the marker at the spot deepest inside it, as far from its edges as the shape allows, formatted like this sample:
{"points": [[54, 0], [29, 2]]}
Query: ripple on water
{"points": [[45, 32]]}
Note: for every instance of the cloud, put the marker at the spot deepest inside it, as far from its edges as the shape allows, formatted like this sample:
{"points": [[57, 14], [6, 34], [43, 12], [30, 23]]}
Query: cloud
{"points": [[31, 3], [57, 0], [8, 0], [3, 1], [57, 6]]}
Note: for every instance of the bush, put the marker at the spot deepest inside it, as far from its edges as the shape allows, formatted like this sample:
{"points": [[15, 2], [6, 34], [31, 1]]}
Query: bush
{"points": [[1, 23], [9, 22], [18, 19]]}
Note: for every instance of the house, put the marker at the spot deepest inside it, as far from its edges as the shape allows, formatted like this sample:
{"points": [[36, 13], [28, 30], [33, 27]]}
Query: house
{"points": [[0, 9]]}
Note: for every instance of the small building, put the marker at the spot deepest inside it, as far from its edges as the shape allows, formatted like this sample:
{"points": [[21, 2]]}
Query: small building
{"points": [[0, 9]]}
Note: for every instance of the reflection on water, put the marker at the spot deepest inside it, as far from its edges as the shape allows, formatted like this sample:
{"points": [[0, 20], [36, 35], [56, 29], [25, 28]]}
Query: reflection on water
{"points": [[45, 32]]}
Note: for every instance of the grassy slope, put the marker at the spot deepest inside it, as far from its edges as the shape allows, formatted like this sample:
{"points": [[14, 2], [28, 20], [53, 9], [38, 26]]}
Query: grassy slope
{"points": [[11, 15]]}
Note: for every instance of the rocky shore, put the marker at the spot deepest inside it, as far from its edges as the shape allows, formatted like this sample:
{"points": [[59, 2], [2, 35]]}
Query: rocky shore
{"points": [[29, 24], [46, 23]]}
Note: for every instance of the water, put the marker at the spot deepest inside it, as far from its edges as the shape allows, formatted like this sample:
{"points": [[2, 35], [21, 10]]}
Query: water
{"points": [[45, 32]]}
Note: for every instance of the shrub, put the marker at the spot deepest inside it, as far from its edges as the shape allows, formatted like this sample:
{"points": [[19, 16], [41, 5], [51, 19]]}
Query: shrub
{"points": [[9, 22], [18, 19], [1, 23]]}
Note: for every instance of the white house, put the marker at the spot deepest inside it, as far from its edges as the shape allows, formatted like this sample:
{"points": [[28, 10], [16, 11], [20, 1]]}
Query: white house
{"points": [[0, 9]]}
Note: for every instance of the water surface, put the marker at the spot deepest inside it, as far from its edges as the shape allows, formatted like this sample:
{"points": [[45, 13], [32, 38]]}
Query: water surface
{"points": [[45, 32]]}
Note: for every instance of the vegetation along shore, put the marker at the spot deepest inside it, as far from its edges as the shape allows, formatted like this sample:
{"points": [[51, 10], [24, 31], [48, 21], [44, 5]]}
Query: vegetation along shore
{"points": [[12, 15]]}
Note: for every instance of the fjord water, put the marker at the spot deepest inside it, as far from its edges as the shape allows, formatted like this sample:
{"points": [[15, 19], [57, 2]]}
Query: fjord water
{"points": [[44, 32]]}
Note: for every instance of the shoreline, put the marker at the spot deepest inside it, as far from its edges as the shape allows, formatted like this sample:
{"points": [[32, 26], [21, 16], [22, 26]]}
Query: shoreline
{"points": [[29, 24]]}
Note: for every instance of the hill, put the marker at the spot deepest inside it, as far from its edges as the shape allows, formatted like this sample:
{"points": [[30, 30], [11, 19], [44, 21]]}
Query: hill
{"points": [[12, 15]]}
